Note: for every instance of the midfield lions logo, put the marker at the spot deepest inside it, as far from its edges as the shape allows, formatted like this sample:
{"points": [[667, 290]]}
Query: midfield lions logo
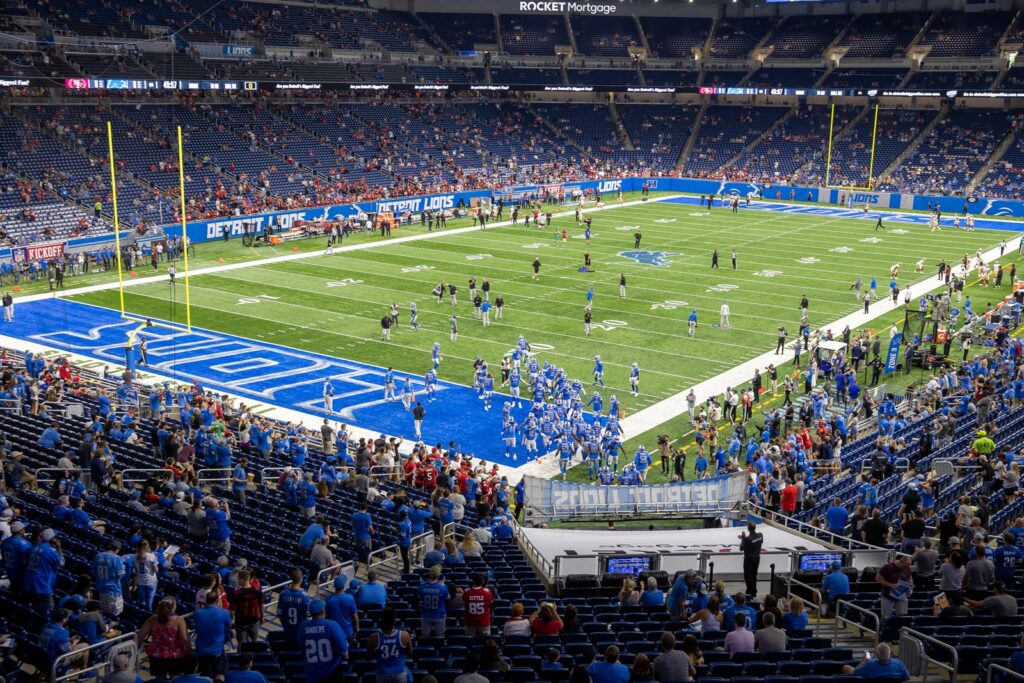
{"points": [[659, 259]]}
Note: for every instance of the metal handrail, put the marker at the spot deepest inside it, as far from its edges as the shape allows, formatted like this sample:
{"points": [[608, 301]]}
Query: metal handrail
{"points": [[834, 538], [1003, 670], [125, 474], [861, 627], [321, 584], [268, 590], [951, 668], [124, 643], [815, 593], [203, 476], [531, 550], [41, 470], [271, 470], [384, 473]]}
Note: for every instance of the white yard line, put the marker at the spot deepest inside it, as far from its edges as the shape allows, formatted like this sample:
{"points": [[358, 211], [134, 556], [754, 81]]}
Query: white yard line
{"points": [[380, 244], [673, 406]]}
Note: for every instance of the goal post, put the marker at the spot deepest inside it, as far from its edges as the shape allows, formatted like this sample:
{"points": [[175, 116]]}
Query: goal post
{"points": [[871, 158], [171, 321]]}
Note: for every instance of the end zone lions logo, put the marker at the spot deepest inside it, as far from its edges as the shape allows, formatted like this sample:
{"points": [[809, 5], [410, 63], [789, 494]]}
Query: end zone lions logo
{"points": [[659, 259]]}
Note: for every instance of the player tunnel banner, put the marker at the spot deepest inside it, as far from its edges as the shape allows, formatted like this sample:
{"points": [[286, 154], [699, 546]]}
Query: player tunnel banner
{"points": [[549, 500]]}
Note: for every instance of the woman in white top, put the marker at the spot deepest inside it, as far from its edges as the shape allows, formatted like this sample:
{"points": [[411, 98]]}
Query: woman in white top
{"points": [[145, 580], [516, 624]]}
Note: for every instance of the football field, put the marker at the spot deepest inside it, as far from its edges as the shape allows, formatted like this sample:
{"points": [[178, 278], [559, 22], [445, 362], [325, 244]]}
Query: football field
{"points": [[332, 305]]}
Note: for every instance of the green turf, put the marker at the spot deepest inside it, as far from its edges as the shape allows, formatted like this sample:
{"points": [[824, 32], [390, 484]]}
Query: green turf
{"points": [[333, 304]]}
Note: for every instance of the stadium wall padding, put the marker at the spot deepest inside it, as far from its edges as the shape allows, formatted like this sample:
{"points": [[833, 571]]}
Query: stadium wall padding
{"points": [[207, 230], [202, 231]]}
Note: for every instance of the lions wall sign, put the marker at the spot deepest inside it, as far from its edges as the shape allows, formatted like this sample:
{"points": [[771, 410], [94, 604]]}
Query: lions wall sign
{"points": [[659, 259]]}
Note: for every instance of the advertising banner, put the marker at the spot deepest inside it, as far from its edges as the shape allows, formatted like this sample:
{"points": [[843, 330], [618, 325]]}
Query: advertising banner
{"points": [[549, 499], [892, 356], [44, 251]]}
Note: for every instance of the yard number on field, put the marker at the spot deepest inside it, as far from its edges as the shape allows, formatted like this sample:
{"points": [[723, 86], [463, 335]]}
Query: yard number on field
{"points": [[257, 299], [416, 269], [668, 305], [609, 325], [344, 283]]}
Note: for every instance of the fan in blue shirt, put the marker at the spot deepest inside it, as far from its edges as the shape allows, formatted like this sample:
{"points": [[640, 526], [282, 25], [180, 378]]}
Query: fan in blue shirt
{"points": [[324, 645], [610, 670], [292, 607], [341, 608], [837, 517], [212, 627]]}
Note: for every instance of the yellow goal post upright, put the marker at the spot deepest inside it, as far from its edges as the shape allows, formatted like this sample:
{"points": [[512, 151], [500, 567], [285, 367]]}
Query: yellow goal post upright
{"points": [[871, 163], [170, 324]]}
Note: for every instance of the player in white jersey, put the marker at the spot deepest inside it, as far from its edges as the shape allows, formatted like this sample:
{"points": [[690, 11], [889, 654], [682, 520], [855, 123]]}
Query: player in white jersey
{"points": [[933, 223], [970, 224]]}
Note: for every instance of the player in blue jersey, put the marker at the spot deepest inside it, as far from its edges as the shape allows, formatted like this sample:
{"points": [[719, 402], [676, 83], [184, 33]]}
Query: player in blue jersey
{"points": [[605, 477], [413, 316], [323, 643], [430, 384], [613, 448], [596, 403], [435, 355], [328, 395], [389, 385], [598, 371], [514, 381], [533, 371], [641, 462], [292, 607], [566, 446], [407, 394], [634, 378], [389, 646], [488, 390], [613, 406], [508, 433], [530, 433]]}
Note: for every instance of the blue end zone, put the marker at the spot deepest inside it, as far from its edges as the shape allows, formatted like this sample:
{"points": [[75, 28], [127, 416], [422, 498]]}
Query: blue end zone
{"points": [[839, 212], [272, 374]]}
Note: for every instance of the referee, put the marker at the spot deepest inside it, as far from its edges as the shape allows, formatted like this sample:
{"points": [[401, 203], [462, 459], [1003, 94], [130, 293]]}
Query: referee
{"points": [[750, 545]]}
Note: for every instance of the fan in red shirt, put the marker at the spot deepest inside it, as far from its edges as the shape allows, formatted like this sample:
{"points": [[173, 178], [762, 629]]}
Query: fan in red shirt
{"points": [[410, 468], [477, 602], [788, 504]]}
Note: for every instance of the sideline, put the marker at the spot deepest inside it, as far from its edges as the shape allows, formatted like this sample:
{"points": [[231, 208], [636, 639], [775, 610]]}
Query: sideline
{"points": [[674, 406], [377, 244]]}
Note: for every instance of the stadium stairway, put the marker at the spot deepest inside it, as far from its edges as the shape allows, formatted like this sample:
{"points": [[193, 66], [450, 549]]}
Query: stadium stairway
{"points": [[991, 162], [909, 149]]}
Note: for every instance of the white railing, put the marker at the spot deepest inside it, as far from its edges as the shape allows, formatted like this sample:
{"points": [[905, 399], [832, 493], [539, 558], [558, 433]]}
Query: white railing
{"points": [[43, 473], [128, 475], [999, 668], [210, 475], [950, 668], [840, 619], [816, 602], [122, 644]]}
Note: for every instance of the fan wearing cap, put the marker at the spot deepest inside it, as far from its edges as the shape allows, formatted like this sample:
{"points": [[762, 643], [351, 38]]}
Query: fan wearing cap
{"points": [[341, 607], [44, 561], [15, 550], [324, 644]]}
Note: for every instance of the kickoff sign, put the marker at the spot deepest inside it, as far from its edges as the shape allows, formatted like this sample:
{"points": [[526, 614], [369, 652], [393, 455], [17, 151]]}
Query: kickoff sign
{"points": [[38, 252]]}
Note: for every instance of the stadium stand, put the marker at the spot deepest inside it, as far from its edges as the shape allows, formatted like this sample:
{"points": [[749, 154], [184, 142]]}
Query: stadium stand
{"points": [[149, 463]]}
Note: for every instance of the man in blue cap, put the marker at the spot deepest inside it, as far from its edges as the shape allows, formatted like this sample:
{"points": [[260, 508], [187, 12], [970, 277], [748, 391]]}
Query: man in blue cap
{"points": [[323, 643], [341, 608]]}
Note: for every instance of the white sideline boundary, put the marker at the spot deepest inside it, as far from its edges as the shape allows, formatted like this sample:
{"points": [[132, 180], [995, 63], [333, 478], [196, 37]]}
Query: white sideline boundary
{"points": [[633, 425], [284, 258], [673, 406]]}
